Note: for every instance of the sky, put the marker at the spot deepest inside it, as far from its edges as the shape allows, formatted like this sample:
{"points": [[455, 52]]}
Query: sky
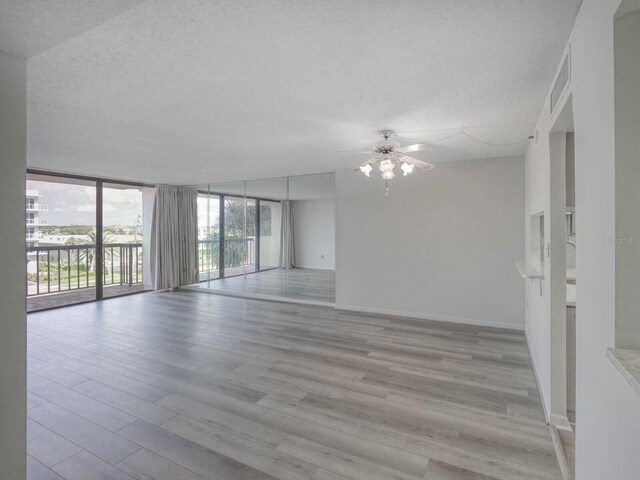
{"points": [[75, 204], [205, 217]]}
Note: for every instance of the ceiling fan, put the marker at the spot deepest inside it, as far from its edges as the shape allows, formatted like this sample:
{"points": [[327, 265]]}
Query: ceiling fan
{"points": [[388, 154]]}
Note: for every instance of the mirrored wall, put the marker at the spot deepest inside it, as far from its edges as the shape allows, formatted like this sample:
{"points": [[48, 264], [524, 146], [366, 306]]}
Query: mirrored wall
{"points": [[269, 238]]}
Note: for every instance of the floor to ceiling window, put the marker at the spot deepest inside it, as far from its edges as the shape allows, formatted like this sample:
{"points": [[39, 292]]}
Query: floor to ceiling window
{"points": [[84, 239], [122, 239], [60, 236]]}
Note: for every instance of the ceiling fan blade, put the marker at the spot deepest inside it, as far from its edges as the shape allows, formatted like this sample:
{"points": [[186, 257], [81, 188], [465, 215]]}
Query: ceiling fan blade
{"points": [[369, 152], [418, 163], [404, 139], [416, 147]]}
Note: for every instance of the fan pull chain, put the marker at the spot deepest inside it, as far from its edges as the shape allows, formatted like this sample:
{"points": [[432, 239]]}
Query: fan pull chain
{"points": [[386, 188]]}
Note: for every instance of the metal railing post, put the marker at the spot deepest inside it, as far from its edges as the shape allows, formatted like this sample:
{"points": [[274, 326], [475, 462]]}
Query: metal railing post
{"points": [[130, 260], [81, 254], [37, 272], [48, 271]]}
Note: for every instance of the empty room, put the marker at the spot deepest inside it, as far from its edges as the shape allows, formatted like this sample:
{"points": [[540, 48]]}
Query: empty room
{"points": [[320, 240]]}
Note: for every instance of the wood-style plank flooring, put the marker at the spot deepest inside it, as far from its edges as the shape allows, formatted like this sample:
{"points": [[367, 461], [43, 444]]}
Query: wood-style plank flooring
{"points": [[298, 283], [185, 386], [71, 297]]}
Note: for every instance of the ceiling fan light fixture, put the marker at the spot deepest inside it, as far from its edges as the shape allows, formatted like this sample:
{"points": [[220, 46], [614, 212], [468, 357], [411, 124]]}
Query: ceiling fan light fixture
{"points": [[388, 154], [407, 168], [366, 169], [386, 167]]}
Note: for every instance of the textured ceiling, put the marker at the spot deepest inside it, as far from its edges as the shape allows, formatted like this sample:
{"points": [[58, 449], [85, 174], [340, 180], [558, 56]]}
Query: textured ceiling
{"points": [[29, 27], [195, 91]]}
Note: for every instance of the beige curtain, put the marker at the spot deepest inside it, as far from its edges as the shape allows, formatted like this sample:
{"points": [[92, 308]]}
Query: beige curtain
{"points": [[287, 246], [174, 232]]}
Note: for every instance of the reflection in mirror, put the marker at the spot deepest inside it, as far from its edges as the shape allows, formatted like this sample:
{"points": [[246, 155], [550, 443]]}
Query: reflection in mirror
{"points": [[208, 234], [266, 197], [272, 237], [312, 239], [237, 251]]}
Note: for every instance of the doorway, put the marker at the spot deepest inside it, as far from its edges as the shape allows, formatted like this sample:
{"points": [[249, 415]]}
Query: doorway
{"points": [[563, 308]]}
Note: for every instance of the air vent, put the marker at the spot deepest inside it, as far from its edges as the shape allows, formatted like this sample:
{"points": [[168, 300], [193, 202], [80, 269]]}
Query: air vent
{"points": [[562, 82]]}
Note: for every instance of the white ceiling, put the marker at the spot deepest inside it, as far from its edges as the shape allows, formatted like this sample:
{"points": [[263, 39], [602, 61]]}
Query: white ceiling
{"points": [[193, 91], [29, 27]]}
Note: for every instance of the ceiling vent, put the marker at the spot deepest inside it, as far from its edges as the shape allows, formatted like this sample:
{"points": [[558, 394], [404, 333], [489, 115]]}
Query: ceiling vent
{"points": [[562, 82]]}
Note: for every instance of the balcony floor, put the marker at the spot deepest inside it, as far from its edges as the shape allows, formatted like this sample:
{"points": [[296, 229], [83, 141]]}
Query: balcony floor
{"points": [[71, 297]]}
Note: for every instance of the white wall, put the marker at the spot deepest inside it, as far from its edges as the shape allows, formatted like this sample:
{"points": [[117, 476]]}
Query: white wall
{"points": [[627, 167], [314, 231], [607, 410], [12, 268], [442, 245]]}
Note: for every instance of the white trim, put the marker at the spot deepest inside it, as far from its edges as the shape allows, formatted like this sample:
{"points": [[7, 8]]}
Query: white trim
{"points": [[535, 374], [561, 422], [350, 308], [422, 316], [565, 470]]}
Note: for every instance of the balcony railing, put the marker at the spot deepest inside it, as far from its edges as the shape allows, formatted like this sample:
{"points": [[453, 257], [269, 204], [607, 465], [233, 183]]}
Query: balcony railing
{"points": [[238, 252], [37, 207], [52, 269]]}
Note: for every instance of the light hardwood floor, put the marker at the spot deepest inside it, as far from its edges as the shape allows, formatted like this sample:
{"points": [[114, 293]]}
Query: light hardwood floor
{"points": [[185, 386], [71, 297], [296, 283]]}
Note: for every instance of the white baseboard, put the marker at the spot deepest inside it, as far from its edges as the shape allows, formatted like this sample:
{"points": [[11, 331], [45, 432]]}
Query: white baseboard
{"points": [[565, 470], [351, 308], [422, 316], [535, 374], [323, 269]]}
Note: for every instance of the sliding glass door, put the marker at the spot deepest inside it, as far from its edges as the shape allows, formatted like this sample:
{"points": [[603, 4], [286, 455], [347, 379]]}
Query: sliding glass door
{"points": [[61, 241], [122, 239], [85, 239]]}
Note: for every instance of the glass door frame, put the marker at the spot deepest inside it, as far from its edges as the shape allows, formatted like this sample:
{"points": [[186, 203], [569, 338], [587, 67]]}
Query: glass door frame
{"points": [[99, 241], [99, 204]]}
